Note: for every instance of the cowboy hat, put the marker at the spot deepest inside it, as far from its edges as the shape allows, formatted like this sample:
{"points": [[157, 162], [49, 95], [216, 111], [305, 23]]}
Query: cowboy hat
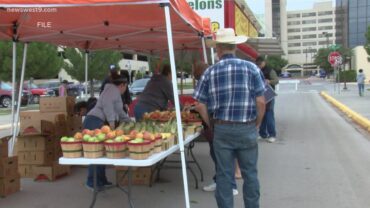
{"points": [[226, 36]]}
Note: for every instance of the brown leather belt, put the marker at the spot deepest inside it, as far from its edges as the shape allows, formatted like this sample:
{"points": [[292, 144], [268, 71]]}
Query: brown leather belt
{"points": [[217, 121]]}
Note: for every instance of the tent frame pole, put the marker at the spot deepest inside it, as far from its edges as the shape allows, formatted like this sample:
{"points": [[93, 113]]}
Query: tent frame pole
{"points": [[13, 83], [177, 102], [213, 56], [20, 92], [86, 71], [204, 50]]}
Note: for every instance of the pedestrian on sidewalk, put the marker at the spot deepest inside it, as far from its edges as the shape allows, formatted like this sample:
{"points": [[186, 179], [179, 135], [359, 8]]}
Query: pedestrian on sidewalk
{"points": [[361, 82], [233, 91], [268, 130]]}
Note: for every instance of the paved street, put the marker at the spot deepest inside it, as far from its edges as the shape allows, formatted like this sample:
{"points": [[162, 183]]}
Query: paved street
{"points": [[319, 161]]}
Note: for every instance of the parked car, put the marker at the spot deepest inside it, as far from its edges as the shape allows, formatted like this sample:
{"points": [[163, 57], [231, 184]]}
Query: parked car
{"points": [[35, 92], [285, 75], [185, 75], [138, 86], [54, 86], [6, 95]]}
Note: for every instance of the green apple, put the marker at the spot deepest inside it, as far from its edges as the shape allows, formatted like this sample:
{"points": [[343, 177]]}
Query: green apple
{"points": [[101, 137], [109, 141], [86, 137], [71, 139], [118, 139], [139, 140], [64, 139], [91, 139]]}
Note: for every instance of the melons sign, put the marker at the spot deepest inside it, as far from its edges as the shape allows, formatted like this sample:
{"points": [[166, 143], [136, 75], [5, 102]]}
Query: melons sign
{"points": [[214, 9]]}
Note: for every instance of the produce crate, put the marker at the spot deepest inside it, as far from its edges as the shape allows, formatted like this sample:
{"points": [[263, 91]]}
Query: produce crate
{"points": [[4, 146], [37, 143], [140, 176], [9, 185], [26, 171], [36, 158], [8, 166], [52, 172], [57, 104]]}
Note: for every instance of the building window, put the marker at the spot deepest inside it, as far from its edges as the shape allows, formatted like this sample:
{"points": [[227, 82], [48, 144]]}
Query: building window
{"points": [[294, 52], [306, 29], [294, 16], [325, 20], [325, 13], [324, 35], [325, 27], [309, 43], [311, 14], [305, 22], [294, 30], [294, 23], [294, 37], [325, 42], [294, 44], [309, 36]]}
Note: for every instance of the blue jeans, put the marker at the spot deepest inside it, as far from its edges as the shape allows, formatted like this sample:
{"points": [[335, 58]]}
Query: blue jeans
{"points": [[139, 111], [91, 123], [267, 128], [213, 156], [361, 89], [236, 141]]}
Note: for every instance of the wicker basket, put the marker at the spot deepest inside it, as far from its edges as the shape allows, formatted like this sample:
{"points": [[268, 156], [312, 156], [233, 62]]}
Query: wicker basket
{"points": [[139, 151], [116, 150], [158, 144], [71, 149], [93, 149]]}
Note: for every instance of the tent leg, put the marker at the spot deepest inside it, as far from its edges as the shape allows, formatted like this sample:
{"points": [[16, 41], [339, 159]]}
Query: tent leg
{"points": [[13, 82], [213, 55], [177, 103], [86, 71], [204, 51], [20, 92]]}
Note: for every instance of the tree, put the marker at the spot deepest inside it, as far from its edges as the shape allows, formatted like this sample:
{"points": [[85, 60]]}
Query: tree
{"points": [[367, 45], [43, 61], [321, 57], [276, 63], [98, 63]]}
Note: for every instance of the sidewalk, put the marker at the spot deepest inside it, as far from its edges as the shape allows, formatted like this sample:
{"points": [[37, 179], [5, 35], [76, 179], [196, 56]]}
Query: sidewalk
{"points": [[351, 99]]}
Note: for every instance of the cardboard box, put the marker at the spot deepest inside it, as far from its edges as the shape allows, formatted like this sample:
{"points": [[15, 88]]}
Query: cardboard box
{"points": [[57, 104], [74, 124], [56, 129], [52, 172], [140, 176], [36, 158], [26, 171], [36, 143], [8, 166], [30, 121], [9, 185], [4, 147]]}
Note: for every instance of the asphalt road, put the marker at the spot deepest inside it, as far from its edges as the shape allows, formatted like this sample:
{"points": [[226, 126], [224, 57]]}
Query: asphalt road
{"points": [[320, 160]]}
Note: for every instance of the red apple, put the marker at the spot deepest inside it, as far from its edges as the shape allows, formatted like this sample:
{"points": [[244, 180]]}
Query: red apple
{"points": [[105, 129], [78, 136], [119, 132]]}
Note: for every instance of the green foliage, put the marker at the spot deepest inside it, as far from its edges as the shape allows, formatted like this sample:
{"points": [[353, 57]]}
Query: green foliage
{"points": [[321, 57], [367, 45], [139, 75], [276, 63], [43, 61], [98, 63], [347, 76]]}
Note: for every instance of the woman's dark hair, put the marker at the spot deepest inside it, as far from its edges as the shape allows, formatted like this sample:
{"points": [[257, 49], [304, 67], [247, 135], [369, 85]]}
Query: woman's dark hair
{"points": [[360, 70], [91, 102], [166, 70], [259, 60], [78, 106], [118, 79], [199, 69]]}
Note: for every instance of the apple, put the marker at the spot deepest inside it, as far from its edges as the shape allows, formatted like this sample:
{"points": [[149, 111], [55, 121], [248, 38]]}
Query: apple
{"points": [[86, 137], [109, 141], [105, 129], [111, 135], [78, 136], [118, 139], [97, 131], [146, 135], [139, 135], [64, 139], [71, 139], [92, 139], [133, 134], [85, 131], [139, 140], [126, 138], [119, 132], [101, 137]]}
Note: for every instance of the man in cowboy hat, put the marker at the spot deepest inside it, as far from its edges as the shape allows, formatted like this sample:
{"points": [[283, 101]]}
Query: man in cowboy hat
{"points": [[232, 90]]}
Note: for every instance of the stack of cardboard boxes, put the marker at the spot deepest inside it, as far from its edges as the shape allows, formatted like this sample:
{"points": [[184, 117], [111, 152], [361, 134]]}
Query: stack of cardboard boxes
{"points": [[38, 145], [9, 176]]}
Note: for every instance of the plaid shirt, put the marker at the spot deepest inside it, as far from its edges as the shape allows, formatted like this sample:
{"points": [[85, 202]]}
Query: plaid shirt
{"points": [[229, 89]]}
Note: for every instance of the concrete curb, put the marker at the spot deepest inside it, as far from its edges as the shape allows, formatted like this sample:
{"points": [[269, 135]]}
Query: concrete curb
{"points": [[357, 118]]}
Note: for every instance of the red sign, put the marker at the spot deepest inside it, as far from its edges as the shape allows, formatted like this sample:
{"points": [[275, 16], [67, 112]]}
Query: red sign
{"points": [[335, 58]]}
